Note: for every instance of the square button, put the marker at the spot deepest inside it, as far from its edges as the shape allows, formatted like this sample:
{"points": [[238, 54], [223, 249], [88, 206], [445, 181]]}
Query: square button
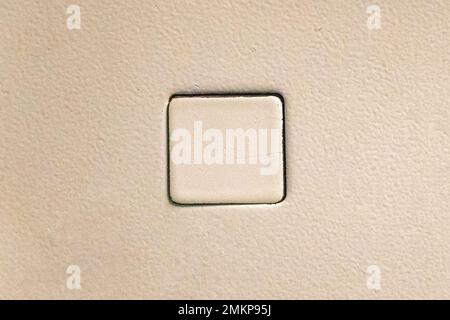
{"points": [[226, 149]]}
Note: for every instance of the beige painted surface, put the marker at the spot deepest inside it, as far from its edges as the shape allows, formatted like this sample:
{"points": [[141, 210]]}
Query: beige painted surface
{"points": [[83, 177]]}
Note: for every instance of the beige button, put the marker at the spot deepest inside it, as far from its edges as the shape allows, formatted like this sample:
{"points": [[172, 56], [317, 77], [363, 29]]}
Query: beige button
{"points": [[226, 149]]}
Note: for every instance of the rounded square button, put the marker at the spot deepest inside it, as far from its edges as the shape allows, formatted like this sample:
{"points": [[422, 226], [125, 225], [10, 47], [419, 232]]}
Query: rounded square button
{"points": [[226, 149]]}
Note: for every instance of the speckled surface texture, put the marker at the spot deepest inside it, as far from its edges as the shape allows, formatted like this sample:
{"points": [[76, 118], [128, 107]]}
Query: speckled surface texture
{"points": [[83, 178]]}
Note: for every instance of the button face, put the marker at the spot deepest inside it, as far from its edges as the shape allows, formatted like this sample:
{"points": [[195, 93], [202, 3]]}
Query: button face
{"points": [[226, 149]]}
